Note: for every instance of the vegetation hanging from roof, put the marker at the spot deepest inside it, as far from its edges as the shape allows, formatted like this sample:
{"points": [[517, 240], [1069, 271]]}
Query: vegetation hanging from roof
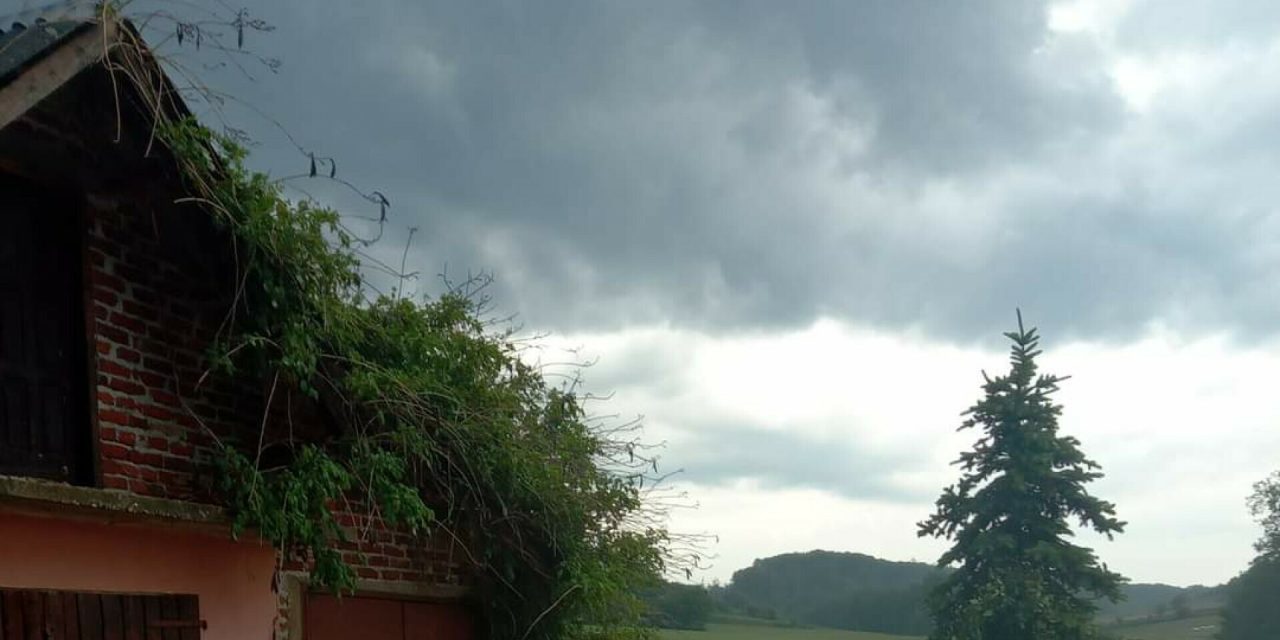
{"points": [[435, 403], [445, 427]]}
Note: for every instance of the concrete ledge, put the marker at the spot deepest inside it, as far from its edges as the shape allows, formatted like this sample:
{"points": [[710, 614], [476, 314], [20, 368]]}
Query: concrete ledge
{"points": [[45, 497], [412, 590]]}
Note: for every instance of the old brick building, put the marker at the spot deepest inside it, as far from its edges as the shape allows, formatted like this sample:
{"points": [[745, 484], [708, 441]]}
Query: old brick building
{"points": [[110, 294]]}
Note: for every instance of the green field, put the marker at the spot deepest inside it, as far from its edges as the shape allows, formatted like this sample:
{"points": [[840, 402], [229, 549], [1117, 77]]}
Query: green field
{"points": [[1197, 628], [761, 632]]}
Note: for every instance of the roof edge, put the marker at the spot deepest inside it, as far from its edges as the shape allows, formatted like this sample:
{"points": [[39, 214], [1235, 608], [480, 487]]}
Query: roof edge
{"points": [[58, 63]]}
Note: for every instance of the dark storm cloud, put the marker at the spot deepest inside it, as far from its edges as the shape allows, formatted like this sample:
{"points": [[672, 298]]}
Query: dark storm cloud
{"points": [[740, 165]]}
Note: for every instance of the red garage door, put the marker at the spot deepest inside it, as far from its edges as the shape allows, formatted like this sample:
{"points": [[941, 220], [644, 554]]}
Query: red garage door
{"points": [[364, 618]]}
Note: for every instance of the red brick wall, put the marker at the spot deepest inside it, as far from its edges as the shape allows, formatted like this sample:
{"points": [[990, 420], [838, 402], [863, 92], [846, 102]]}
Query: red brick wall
{"points": [[152, 322], [157, 296], [379, 553]]}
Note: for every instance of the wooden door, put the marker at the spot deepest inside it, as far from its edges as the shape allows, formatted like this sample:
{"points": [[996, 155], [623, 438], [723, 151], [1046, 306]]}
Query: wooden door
{"points": [[27, 614], [437, 621], [44, 427], [331, 618], [370, 618]]}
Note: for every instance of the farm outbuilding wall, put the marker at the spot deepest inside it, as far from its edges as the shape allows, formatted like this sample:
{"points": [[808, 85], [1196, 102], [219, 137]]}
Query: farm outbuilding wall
{"points": [[107, 482], [231, 580]]}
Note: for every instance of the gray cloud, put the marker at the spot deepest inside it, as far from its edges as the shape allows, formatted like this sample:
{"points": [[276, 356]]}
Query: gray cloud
{"points": [[1155, 24], [752, 164], [719, 455], [749, 166]]}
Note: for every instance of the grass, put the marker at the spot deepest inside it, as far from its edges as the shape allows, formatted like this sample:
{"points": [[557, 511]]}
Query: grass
{"points": [[763, 632], [1201, 627], [1195, 628]]}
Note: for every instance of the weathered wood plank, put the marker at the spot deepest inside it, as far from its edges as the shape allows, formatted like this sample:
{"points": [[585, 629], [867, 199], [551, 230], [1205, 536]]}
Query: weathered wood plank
{"points": [[135, 622], [32, 615], [44, 77], [112, 617], [12, 606], [41, 434], [90, 606], [168, 611], [189, 610], [54, 620], [70, 616], [152, 612], [27, 614]]}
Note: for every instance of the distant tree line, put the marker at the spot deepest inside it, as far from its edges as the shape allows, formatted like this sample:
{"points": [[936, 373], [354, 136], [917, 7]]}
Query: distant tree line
{"points": [[895, 611], [1253, 598], [831, 589], [820, 588], [863, 593], [672, 605]]}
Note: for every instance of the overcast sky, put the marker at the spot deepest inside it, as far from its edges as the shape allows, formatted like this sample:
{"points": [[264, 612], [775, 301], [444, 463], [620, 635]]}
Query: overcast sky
{"points": [[792, 233]]}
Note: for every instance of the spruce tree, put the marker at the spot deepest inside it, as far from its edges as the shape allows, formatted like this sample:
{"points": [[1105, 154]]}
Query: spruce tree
{"points": [[1017, 576]]}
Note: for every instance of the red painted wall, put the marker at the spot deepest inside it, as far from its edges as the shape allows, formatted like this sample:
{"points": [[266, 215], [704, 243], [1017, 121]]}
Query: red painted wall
{"points": [[232, 579]]}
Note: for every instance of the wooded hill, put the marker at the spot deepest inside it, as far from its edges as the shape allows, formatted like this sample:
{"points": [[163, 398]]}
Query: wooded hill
{"points": [[1144, 601], [864, 593]]}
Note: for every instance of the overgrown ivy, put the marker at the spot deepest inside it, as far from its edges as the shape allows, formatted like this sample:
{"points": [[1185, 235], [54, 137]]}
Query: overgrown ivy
{"points": [[437, 408]]}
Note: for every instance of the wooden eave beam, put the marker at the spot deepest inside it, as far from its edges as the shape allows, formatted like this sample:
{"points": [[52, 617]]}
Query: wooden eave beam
{"points": [[48, 74]]}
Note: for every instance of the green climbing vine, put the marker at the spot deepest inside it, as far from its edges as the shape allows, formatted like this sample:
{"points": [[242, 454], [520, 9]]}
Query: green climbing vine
{"points": [[443, 424]]}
